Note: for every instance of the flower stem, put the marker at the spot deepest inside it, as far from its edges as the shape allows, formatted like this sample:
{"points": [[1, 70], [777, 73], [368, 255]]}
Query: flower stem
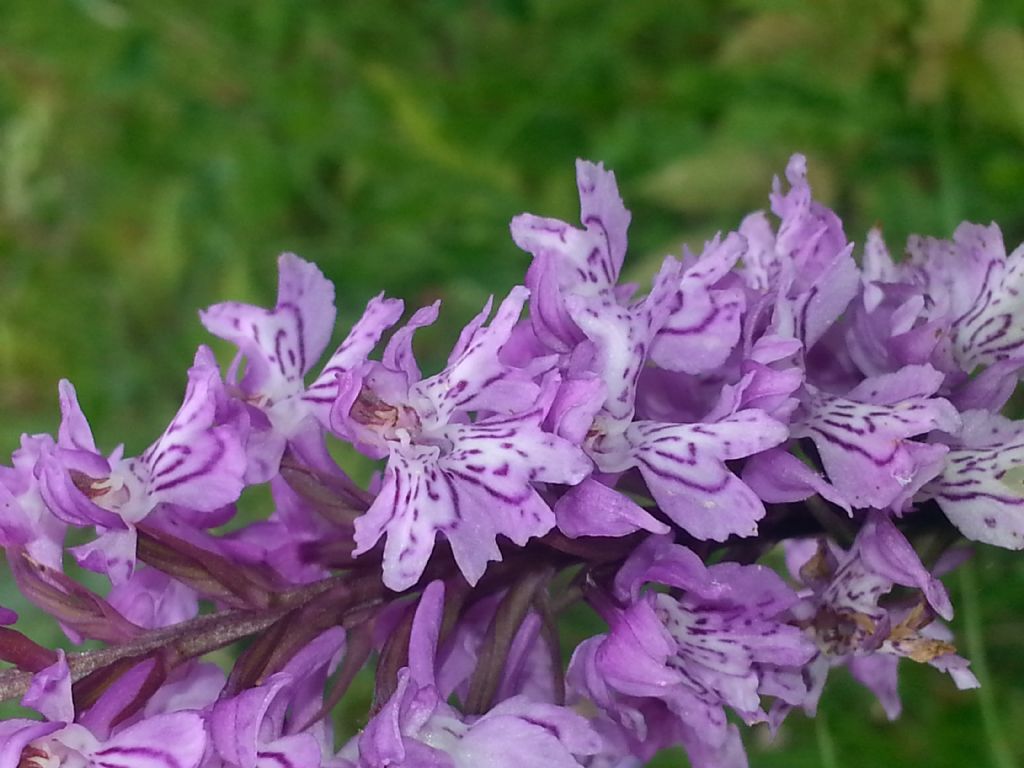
{"points": [[999, 749]]}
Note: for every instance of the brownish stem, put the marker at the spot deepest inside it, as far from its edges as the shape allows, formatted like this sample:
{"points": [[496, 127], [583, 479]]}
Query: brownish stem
{"points": [[189, 639]]}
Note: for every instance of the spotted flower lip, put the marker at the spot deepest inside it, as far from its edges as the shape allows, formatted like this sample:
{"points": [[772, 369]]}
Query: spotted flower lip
{"points": [[684, 465], [981, 486], [865, 437], [469, 480]]}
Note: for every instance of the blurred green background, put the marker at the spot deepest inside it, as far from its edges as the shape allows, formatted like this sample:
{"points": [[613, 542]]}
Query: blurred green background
{"points": [[155, 157]]}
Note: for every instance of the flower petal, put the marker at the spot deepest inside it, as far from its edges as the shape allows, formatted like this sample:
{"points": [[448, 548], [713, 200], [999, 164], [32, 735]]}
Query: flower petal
{"points": [[380, 314], [622, 335], [684, 467], [981, 487], [196, 463], [283, 343], [50, 692], [475, 378], [865, 444], [704, 326], [176, 740], [593, 509], [980, 286]]}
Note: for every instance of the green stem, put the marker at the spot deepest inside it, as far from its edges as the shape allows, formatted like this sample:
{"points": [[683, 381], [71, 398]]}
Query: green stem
{"points": [[826, 746], [995, 736]]}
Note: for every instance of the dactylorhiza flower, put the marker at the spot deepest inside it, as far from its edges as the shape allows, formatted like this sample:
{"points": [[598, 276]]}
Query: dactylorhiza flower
{"points": [[689, 322], [278, 347], [416, 727], [173, 738], [673, 662], [470, 479], [194, 469], [843, 609]]}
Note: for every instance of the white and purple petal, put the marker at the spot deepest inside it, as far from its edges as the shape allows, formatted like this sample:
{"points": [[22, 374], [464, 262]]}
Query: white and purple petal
{"points": [[585, 260], [196, 462], [471, 482], [280, 345], [979, 287], [475, 378], [704, 324], [684, 468], [622, 336], [981, 486], [866, 440], [176, 740], [380, 314]]}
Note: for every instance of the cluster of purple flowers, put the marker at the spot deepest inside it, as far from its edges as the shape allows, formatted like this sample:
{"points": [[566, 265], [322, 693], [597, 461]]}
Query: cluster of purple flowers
{"points": [[767, 397]]}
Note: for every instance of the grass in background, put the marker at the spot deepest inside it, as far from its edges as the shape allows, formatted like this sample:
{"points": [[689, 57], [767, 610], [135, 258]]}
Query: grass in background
{"points": [[155, 158]]}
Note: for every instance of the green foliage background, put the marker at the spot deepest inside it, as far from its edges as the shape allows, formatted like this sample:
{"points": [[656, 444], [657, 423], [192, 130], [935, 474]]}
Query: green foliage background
{"points": [[155, 157]]}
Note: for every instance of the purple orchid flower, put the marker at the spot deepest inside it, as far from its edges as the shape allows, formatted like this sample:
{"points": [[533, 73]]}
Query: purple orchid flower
{"points": [[196, 465], [279, 347], [842, 608], [468, 479], [169, 740], [722, 641]]}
